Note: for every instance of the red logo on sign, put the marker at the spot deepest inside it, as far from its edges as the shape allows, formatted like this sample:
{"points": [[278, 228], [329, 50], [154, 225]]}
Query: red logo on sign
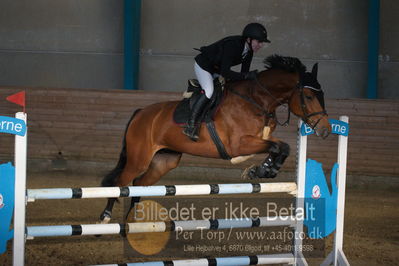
{"points": [[316, 192]]}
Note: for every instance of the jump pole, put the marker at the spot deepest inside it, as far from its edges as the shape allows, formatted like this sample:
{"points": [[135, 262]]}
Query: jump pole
{"points": [[151, 227], [154, 191], [336, 257]]}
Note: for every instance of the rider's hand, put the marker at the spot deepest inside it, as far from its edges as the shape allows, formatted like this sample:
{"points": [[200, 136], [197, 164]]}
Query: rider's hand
{"points": [[251, 74]]}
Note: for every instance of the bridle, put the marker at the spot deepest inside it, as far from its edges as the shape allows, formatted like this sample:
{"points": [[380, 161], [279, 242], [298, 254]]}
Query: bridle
{"points": [[268, 114], [307, 116]]}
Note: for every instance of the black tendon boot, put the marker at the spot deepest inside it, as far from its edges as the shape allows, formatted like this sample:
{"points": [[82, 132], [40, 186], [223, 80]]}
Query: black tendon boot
{"points": [[193, 125], [266, 169], [270, 167]]}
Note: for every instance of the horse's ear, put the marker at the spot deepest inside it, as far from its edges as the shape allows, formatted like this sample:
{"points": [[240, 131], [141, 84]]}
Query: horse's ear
{"points": [[314, 70]]}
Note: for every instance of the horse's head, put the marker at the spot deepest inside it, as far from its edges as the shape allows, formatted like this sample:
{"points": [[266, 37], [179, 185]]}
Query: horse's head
{"points": [[286, 80], [307, 102]]}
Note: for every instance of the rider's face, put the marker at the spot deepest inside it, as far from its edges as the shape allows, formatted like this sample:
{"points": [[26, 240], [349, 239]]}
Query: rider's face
{"points": [[256, 45]]}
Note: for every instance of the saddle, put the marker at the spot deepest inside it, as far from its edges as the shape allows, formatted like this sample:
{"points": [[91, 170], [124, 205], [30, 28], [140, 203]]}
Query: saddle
{"points": [[190, 96], [183, 110]]}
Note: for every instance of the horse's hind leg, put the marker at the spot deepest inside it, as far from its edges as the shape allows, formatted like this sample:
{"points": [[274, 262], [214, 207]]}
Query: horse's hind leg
{"points": [[105, 216], [122, 176], [162, 162]]}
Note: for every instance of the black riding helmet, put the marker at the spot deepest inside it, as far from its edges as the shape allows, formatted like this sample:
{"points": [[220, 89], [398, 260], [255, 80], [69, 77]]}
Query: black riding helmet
{"points": [[255, 31]]}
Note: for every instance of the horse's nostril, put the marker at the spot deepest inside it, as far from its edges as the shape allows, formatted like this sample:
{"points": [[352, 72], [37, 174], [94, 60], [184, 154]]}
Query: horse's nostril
{"points": [[325, 133]]}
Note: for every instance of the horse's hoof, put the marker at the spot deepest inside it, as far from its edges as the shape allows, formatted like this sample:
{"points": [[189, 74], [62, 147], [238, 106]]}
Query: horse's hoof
{"points": [[249, 173], [269, 175], [267, 172], [105, 217], [252, 173], [106, 220]]}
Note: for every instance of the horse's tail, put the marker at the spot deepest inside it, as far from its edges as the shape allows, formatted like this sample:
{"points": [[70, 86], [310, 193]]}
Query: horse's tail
{"points": [[109, 179]]}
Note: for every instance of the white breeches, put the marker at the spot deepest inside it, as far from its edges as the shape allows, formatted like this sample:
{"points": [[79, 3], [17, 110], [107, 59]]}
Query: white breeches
{"points": [[205, 79]]}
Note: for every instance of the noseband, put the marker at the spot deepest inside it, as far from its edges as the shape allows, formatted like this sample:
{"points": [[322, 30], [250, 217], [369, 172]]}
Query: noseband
{"points": [[306, 115]]}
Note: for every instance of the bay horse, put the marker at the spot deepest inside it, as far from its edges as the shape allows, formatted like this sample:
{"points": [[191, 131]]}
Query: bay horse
{"points": [[153, 143]]}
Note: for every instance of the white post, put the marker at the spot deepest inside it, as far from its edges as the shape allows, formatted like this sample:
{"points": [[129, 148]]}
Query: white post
{"points": [[339, 257], [20, 195], [300, 197]]}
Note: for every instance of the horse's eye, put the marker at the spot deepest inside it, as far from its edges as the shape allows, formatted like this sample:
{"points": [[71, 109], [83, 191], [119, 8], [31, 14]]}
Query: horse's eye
{"points": [[309, 97]]}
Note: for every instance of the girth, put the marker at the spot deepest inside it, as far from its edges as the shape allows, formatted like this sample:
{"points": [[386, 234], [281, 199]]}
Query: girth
{"points": [[216, 139]]}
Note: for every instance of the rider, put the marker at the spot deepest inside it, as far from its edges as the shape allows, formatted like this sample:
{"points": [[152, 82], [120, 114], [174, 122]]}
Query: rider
{"points": [[218, 58]]}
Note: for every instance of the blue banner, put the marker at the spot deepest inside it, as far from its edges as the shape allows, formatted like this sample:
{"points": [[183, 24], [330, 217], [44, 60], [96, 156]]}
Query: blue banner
{"points": [[320, 204], [12, 126], [7, 183], [337, 127]]}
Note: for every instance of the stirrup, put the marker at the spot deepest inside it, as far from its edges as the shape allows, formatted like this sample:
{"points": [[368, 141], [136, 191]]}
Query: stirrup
{"points": [[194, 83], [191, 132]]}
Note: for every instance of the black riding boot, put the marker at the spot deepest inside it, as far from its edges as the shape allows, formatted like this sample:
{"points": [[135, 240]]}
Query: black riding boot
{"points": [[193, 125]]}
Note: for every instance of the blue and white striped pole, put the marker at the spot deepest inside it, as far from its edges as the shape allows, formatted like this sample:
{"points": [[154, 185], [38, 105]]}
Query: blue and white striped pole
{"points": [[150, 227], [150, 191], [227, 261]]}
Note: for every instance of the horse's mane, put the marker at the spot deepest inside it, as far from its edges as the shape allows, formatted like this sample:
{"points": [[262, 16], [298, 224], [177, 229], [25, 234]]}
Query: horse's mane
{"points": [[286, 63]]}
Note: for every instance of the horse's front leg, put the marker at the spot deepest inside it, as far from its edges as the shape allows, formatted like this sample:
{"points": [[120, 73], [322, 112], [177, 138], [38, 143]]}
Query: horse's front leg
{"points": [[278, 153], [273, 162]]}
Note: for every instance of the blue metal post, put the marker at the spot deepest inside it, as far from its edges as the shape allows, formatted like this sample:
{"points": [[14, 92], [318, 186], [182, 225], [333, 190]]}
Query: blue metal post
{"points": [[132, 12], [373, 45]]}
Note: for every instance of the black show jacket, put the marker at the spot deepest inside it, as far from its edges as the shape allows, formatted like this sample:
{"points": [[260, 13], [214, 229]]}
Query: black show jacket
{"points": [[220, 56]]}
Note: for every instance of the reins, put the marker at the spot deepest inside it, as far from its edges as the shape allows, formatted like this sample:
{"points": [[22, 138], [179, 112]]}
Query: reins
{"points": [[252, 101], [286, 122], [265, 113]]}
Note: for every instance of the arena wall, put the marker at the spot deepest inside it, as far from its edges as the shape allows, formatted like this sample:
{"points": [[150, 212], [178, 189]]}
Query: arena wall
{"points": [[73, 129], [79, 44]]}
